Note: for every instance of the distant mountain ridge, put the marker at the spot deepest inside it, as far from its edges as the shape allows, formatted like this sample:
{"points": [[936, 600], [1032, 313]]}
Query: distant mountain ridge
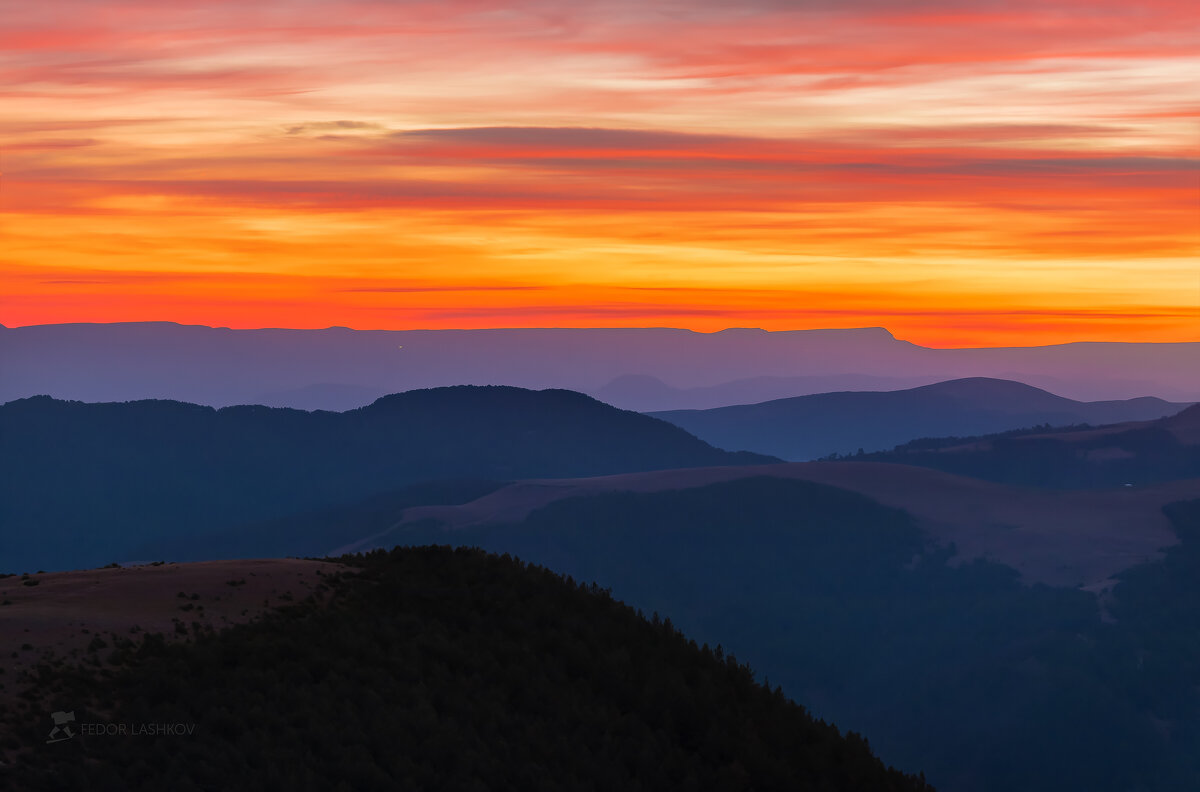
{"points": [[82, 484], [339, 369], [809, 427], [645, 393]]}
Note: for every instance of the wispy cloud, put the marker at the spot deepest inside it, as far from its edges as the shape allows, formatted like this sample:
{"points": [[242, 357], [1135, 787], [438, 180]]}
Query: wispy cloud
{"points": [[331, 126], [421, 289], [348, 156]]}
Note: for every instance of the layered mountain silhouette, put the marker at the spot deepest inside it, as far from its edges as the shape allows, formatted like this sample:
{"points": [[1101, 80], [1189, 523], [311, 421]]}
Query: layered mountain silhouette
{"points": [[83, 484], [1126, 454], [809, 427], [645, 393], [956, 622], [340, 368]]}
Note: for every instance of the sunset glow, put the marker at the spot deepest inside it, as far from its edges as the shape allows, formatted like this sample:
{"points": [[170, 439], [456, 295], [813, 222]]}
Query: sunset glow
{"points": [[962, 173]]}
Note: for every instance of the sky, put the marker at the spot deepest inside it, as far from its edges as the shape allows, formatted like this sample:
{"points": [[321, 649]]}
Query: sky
{"points": [[963, 173]]}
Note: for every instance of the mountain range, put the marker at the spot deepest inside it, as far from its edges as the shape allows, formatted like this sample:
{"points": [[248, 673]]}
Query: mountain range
{"points": [[809, 427], [646, 393], [957, 622], [1032, 633], [339, 368]]}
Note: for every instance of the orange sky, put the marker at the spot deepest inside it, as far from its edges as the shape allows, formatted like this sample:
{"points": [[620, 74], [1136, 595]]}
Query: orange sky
{"points": [[978, 173]]}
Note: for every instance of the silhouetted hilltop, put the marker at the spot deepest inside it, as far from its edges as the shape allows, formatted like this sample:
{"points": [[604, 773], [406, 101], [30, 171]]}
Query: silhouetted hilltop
{"points": [[809, 427], [436, 669], [84, 484]]}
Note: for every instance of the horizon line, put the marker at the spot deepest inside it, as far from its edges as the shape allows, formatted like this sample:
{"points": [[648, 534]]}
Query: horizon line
{"points": [[743, 328]]}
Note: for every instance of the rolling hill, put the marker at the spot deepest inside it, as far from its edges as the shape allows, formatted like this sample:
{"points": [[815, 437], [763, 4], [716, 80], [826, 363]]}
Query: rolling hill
{"points": [[424, 669], [1063, 538], [84, 484], [810, 427]]}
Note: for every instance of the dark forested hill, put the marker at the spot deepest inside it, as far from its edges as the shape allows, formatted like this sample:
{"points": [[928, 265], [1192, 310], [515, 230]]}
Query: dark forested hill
{"points": [[1081, 457], [809, 427], [432, 669], [958, 667], [83, 484]]}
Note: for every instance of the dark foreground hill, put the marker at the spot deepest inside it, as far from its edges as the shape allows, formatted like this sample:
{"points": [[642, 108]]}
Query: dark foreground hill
{"points": [[431, 669], [809, 427], [986, 682], [1134, 454], [83, 484]]}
